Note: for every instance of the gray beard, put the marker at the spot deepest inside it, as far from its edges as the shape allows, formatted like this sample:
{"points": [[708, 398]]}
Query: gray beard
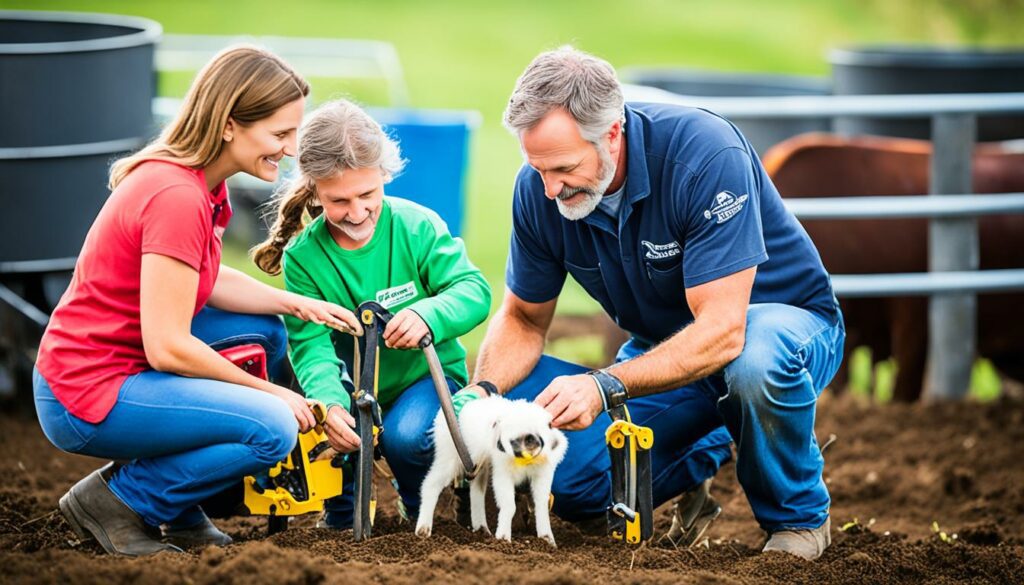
{"points": [[357, 233], [592, 194]]}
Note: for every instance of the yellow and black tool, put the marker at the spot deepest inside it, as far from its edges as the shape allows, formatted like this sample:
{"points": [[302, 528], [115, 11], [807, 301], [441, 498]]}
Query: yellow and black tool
{"points": [[631, 514], [300, 483], [369, 423]]}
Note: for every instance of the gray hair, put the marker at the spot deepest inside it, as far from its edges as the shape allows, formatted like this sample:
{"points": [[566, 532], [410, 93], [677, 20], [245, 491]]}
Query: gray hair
{"points": [[582, 84], [339, 135]]}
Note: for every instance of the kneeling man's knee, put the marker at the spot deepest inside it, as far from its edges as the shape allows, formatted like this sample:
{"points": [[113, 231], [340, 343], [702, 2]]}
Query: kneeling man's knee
{"points": [[764, 367]]}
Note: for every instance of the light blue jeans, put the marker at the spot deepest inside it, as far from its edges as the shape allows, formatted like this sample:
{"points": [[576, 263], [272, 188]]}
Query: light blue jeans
{"points": [[766, 401], [185, 439]]}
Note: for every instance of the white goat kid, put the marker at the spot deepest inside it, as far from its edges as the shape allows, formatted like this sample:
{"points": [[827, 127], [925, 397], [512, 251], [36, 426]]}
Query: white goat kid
{"points": [[509, 440]]}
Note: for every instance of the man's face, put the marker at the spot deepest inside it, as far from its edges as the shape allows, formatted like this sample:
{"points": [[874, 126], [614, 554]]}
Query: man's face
{"points": [[352, 202], [576, 173]]}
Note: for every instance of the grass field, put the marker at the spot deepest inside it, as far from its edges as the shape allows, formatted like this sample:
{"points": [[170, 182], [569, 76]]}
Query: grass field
{"points": [[462, 54]]}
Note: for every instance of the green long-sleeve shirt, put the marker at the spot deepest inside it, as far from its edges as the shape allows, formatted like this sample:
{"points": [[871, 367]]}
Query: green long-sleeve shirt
{"points": [[412, 261]]}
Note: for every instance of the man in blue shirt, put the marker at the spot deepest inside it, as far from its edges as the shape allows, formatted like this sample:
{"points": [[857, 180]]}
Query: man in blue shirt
{"points": [[666, 217]]}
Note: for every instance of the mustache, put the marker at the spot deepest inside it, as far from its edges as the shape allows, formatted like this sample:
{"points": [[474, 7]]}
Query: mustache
{"points": [[568, 192]]}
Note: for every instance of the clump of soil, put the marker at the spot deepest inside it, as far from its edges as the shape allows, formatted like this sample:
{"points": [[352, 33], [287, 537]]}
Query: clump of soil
{"points": [[895, 473]]}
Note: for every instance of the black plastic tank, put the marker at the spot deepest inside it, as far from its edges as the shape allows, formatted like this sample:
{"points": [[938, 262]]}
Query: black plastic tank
{"points": [[76, 92], [917, 69]]}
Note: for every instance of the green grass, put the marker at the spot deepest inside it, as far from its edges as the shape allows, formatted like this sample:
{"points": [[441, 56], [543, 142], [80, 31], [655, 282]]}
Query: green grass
{"points": [[876, 383], [463, 54]]}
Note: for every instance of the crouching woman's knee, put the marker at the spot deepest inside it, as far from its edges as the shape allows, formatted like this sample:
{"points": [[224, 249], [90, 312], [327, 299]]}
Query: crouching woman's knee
{"points": [[275, 433]]}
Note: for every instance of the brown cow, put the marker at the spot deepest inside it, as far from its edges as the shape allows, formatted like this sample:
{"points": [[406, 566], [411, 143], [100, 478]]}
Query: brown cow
{"points": [[826, 165]]}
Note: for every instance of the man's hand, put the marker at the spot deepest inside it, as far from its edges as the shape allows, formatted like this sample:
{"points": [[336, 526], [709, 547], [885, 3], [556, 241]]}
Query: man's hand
{"points": [[340, 429], [573, 401], [405, 330], [325, 313]]}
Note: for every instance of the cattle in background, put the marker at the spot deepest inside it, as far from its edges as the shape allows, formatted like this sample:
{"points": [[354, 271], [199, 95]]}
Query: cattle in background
{"points": [[825, 165]]}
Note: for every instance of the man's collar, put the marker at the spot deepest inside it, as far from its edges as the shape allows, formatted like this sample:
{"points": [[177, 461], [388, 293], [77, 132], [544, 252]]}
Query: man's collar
{"points": [[638, 183]]}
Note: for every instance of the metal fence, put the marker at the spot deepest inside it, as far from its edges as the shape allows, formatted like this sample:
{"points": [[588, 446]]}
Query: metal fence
{"points": [[953, 279]]}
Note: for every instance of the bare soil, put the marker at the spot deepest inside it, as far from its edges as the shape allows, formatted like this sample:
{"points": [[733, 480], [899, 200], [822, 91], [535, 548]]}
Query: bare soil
{"points": [[894, 472]]}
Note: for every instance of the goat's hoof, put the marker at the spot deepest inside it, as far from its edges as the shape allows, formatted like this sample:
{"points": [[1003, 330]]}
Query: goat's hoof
{"points": [[506, 536], [423, 530], [484, 529], [548, 538]]}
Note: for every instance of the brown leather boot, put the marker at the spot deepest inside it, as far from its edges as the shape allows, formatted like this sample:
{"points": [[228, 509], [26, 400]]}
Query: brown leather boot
{"points": [[692, 514], [202, 534], [93, 510], [806, 543]]}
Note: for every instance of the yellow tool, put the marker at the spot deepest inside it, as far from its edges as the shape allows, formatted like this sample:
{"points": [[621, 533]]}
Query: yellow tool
{"points": [[300, 483], [631, 514]]}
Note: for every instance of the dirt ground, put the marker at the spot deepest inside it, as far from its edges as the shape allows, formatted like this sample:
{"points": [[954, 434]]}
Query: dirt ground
{"points": [[893, 471]]}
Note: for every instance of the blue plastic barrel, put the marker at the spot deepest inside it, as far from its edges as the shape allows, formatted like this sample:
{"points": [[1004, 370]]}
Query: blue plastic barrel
{"points": [[435, 144]]}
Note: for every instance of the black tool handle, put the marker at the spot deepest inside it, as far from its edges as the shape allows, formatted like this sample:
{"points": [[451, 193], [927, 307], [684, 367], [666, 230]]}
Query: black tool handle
{"points": [[363, 521]]}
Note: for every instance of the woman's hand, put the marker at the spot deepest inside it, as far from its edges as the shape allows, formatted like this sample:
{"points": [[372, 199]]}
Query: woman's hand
{"points": [[300, 407], [325, 313], [405, 330], [340, 430]]}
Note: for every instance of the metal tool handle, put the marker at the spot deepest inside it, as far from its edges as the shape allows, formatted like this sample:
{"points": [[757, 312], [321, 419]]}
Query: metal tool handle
{"points": [[441, 385]]}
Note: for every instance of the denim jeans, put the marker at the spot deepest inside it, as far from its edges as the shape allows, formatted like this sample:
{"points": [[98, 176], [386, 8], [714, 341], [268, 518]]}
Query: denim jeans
{"points": [[407, 443], [185, 439], [690, 443], [766, 401]]}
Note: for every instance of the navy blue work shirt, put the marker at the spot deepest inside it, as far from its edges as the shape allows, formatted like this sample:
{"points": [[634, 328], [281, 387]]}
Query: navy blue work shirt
{"points": [[698, 206]]}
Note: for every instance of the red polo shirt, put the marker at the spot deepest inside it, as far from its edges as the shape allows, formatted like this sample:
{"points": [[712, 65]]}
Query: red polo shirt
{"points": [[94, 339]]}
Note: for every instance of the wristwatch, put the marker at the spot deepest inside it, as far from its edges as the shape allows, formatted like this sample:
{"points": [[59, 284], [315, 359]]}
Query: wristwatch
{"points": [[488, 387], [613, 391]]}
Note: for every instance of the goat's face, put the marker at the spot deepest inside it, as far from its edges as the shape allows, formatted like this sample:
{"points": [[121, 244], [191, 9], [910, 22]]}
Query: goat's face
{"points": [[523, 433]]}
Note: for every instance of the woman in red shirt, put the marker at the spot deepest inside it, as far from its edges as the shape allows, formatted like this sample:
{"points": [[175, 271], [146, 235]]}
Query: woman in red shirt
{"points": [[127, 369]]}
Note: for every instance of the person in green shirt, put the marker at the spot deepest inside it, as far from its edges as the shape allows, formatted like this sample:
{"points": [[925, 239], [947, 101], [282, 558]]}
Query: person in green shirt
{"points": [[339, 238]]}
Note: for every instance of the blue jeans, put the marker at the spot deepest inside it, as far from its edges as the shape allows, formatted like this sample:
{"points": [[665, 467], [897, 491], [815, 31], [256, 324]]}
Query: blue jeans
{"points": [[765, 399], [408, 446], [689, 442], [186, 439]]}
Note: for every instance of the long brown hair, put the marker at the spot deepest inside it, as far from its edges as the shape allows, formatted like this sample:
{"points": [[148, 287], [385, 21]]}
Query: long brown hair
{"points": [[339, 135], [242, 82]]}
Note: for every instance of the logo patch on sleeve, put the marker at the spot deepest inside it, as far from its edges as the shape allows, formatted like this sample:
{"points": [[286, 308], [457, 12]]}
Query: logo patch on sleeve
{"points": [[396, 295], [726, 206]]}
